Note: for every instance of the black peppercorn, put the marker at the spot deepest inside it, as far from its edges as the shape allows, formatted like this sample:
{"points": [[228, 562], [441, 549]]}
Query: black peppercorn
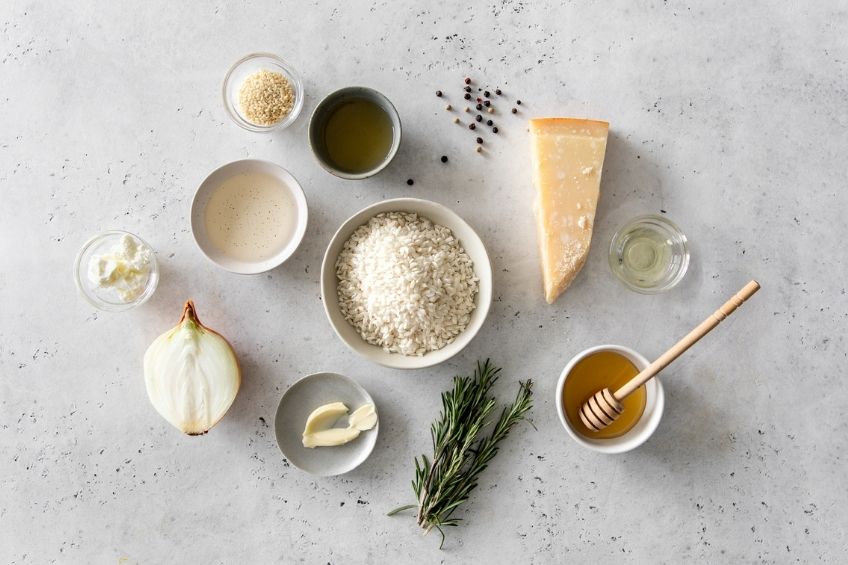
{"points": [[410, 182], [479, 106], [467, 80], [487, 103], [486, 94], [467, 96], [472, 126], [498, 91], [467, 89], [444, 158], [518, 102], [479, 140], [489, 122], [495, 129], [479, 118], [439, 93], [515, 110]]}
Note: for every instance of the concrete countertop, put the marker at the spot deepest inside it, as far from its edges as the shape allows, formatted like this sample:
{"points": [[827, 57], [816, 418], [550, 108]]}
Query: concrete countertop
{"points": [[729, 117]]}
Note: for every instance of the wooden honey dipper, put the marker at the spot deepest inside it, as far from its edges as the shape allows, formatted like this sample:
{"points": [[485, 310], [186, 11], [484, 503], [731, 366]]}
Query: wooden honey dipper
{"points": [[604, 407]]}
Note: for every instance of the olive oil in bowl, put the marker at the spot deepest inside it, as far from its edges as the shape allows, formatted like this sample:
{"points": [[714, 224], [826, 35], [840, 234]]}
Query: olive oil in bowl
{"points": [[354, 132], [358, 136]]}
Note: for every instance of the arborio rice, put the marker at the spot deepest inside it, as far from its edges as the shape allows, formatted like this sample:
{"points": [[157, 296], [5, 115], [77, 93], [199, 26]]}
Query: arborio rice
{"points": [[405, 283]]}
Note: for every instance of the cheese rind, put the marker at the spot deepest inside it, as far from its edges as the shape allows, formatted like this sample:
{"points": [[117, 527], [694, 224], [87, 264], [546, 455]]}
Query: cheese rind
{"points": [[568, 157]]}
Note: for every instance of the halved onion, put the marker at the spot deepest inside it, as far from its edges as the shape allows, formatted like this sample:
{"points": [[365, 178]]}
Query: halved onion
{"points": [[192, 375]]}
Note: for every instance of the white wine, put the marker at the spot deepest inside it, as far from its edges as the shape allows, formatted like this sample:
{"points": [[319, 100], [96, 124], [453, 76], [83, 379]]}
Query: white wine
{"points": [[649, 254]]}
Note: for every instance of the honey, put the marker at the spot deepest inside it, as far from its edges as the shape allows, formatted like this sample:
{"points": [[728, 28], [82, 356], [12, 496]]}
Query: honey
{"points": [[605, 369]]}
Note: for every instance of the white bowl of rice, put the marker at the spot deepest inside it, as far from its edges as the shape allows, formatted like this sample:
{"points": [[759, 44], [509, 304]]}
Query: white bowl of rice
{"points": [[406, 283]]}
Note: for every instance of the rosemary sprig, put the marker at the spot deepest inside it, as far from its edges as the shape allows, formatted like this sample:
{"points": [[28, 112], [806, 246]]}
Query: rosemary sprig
{"points": [[460, 451]]}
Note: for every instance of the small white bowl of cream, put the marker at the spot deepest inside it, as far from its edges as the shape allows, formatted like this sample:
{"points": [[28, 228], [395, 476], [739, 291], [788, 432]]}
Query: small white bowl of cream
{"points": [[249, 216], [116, 270]]}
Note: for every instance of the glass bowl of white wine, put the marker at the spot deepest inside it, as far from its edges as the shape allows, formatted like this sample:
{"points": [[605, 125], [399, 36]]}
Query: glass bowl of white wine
{"points": [[649, 254]]}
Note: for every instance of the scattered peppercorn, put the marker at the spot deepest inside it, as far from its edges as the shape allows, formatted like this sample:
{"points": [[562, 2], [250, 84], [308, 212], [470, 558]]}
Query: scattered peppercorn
{"points": [[489, 122], [456, 120], [486, 94], [498, 91], [495, 129], [467, 96], [518, 102], [410, 182], [479, 99], [467, 89], [515, 110], [439, 93], [479, 106], [467, 80], [490, 109], [479, 140], [472, 125], [478, 117], [444, 158], [487, 103], [448, 107], [467, 109], [478, 149]]}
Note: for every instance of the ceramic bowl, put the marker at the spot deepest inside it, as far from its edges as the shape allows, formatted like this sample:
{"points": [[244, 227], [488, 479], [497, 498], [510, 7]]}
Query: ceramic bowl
{"points": [[438, 214], [208, 187], [299, 401], [322, 113], [643, 429]]}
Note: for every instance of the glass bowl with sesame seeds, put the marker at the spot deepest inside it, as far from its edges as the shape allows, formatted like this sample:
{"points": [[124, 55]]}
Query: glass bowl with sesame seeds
{"points": [[263, 93]]}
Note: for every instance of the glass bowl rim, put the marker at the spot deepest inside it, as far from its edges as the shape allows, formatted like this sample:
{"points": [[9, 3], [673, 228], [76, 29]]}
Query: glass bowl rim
{"points": [[297, 85], [152, 282], [679, 239]]}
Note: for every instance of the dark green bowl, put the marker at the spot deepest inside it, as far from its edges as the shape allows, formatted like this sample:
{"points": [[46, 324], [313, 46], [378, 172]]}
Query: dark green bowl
{"points": [[322, 112]]}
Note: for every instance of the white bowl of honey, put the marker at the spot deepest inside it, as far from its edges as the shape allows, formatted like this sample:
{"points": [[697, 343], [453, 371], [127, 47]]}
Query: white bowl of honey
{"points": [[609, 366]]}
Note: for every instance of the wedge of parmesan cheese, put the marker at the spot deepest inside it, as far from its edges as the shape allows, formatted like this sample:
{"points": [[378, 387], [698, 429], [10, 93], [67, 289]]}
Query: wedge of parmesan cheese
{"points": [[568, 157]]}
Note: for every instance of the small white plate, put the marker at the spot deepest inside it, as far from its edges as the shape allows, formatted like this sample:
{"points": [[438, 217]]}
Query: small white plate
{"points": [[299, 401], [211, 184], [437, 214]]}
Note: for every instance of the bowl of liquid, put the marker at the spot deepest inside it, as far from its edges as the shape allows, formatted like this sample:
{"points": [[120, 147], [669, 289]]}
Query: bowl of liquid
{"points": [[609, 366], [354, 132], [649, 254], [249, 216]]}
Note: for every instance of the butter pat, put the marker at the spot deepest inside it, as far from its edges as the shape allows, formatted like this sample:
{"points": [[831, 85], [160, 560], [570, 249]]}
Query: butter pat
{"points": [[568, 157], [323, 417], [363, 418], [319, 433], [331, 437]]}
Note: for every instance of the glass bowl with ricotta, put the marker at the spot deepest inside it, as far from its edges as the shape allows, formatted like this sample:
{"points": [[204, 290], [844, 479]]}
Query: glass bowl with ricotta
{"points": [[116, 271]]}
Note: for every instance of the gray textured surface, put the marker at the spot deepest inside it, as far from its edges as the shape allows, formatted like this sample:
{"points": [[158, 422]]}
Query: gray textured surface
{"points": [[730, 116]]}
